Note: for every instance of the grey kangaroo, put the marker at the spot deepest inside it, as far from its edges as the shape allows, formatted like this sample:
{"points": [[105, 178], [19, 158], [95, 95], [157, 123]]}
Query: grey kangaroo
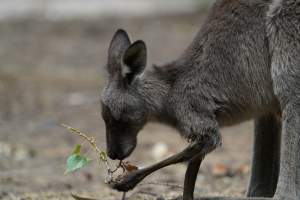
{"points": [[244, 63]]}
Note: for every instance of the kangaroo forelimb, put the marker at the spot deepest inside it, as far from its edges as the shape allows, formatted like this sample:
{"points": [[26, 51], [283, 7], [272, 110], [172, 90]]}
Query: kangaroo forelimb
{"points": [[129, 181], [191, 177]]}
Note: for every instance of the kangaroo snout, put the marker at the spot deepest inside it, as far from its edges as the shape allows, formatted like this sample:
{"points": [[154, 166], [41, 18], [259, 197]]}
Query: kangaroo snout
{"points": [[120, 151]]}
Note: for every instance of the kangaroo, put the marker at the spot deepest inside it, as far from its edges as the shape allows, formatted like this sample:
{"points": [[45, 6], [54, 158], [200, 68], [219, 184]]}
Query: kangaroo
{"points": [[243, 64]]}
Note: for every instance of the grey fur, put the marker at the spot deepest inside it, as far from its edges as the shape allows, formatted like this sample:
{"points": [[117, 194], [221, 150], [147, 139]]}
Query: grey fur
{"points": [[244, 63], [283, 23]]}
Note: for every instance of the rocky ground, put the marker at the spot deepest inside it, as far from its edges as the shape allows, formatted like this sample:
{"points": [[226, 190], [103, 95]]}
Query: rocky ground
{"points": [[52, 73]]}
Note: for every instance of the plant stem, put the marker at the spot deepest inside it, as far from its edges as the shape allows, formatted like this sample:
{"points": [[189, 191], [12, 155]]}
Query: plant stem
{"points": [[91, 140], [100, 153], [124, 196]]}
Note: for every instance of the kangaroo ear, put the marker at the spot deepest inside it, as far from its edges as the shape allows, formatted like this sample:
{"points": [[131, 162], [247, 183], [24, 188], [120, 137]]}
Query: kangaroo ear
{"points": [[134, 60], [118, 46]]}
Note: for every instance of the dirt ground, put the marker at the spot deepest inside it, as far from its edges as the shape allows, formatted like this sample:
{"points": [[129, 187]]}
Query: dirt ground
{"points": [[52, 73]]}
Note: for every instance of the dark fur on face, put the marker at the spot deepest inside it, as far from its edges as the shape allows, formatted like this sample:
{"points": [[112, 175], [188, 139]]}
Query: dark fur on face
{"points": [[123, 110]]}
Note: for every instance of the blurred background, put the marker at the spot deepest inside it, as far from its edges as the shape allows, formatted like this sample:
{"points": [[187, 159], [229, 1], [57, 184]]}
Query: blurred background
{"points": [[52, 54]]}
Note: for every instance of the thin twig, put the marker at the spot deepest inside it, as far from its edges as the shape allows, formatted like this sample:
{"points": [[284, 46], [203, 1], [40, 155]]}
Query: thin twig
{"points": [[91, 140], [141, 191], [124, 196]]}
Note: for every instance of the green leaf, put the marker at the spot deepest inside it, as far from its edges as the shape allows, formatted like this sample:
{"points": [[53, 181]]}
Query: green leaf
{"points": [[77, 149], [76, 161]]}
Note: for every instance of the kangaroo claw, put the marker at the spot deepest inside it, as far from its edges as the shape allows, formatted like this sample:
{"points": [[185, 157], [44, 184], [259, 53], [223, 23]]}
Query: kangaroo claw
{"points": [[128, 181]]}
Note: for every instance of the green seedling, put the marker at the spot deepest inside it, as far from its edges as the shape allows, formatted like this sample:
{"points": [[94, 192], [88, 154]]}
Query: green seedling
{"points": [[76, 160]]}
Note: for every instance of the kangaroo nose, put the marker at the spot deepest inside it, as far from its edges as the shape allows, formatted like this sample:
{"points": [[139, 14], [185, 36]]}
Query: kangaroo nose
{"points": [[118, 153], [112, 155], [121, 148]]}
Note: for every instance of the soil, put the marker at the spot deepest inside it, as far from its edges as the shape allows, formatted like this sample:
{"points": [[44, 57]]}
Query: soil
{"points": [[52, 73]]}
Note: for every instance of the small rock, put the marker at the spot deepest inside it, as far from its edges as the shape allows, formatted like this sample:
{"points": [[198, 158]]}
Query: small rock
{"points": [[220, 170], [159, 150], [243, 169]]}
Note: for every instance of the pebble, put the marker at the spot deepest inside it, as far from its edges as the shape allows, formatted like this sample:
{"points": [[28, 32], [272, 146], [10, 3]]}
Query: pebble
{"points": [[159, 151], [220, 170]]}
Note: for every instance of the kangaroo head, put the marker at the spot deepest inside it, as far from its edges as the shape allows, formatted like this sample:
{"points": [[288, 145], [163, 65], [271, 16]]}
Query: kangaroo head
{"points": [[123, 110]]}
